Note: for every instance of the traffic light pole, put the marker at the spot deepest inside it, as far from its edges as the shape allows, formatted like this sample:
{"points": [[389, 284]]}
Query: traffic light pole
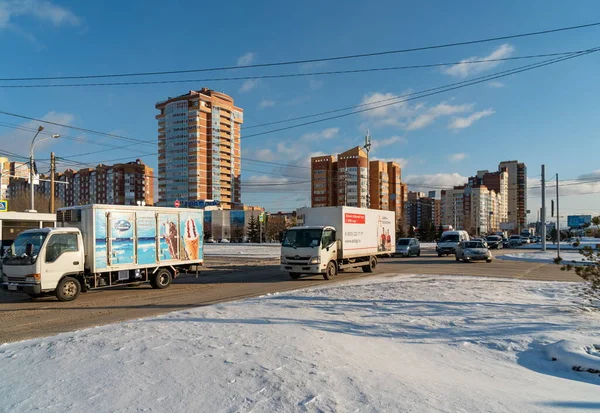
{"points": [[543, 212]]}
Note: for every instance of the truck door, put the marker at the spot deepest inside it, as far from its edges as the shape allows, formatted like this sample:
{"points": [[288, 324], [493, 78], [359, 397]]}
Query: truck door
{"points": [[120, 238], [63, 254]]}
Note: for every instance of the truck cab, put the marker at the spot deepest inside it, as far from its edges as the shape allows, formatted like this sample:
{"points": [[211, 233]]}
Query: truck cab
{"points": [[45, 260], [310, 250]]}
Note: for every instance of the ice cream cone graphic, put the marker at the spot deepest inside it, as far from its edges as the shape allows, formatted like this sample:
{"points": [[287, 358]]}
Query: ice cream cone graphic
{"points": [[191, 239]]}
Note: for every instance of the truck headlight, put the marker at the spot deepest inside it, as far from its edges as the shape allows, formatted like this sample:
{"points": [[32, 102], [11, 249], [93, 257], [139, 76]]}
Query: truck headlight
{"points": [[282, 259], [4, 279], [315, 260]]}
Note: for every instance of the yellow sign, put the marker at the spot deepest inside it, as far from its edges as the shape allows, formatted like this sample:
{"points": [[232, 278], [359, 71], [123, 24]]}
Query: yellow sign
{"points": [[3, 206]]}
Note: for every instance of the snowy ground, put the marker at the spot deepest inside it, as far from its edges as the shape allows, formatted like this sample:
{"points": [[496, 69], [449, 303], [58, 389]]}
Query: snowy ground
{"points": [[543, 256], [390, 344], [243, 250], [585, 241]]}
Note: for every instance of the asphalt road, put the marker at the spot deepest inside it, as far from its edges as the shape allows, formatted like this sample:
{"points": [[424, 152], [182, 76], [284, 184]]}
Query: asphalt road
{"points": [[225, 279]]}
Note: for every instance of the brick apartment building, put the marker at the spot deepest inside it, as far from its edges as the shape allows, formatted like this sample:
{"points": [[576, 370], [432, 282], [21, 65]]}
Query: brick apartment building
{"points": [[120, 184], [199, 148], [351, 180]]}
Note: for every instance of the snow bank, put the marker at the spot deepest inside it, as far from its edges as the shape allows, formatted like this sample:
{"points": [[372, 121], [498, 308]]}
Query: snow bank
{"points": [[543, 256], [243, 250], [389, 344], [575, 355]]}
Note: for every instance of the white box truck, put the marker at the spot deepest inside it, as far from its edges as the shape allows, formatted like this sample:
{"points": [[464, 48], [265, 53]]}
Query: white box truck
{"points": [[97, 246], [337, 238]]}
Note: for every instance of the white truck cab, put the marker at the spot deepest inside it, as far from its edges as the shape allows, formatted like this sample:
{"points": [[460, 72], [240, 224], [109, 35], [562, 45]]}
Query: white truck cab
{"points": [[310, 250], [45, 260]]}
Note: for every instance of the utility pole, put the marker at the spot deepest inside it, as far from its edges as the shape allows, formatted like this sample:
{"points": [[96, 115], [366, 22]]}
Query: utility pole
{"points": [[368, 148], [543, 212], [557, 222], [52, 173]]}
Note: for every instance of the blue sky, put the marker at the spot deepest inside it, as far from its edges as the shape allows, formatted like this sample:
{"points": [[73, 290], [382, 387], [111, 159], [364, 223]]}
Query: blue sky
{"points": [[549, 115]]}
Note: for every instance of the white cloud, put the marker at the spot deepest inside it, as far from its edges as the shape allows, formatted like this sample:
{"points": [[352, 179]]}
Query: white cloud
{"points": [[315, 84], [325, 134], [432, 182], [403, 162], [392, 115], [44, 11], [495, 84], [248, 85], [465, 122], [246, 59], [465, 68], [457, 157], [266, 103], [442, 109], [380, 143]]}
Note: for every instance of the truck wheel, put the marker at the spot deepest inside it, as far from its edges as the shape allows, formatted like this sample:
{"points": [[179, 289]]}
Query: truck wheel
{"points": [[439, 254], [295, 275], [68, 289], [371, 266], [161, 279], [457, 259], [331, 271]]}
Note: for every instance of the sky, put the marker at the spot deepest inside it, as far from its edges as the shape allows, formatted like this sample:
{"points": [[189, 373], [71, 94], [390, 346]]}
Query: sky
{"points": [[544, 116]]}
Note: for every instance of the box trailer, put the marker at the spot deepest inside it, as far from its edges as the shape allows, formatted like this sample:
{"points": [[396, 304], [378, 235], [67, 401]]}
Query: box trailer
{"points": [[97, 246], [337, 238]]}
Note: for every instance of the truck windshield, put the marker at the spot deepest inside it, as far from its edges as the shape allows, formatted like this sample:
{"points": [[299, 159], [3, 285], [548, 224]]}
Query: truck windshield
{"points": [[450, 238], [16, 254], [302, 238]]}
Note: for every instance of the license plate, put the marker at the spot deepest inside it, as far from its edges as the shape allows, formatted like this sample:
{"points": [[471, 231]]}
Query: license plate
{"points": [[12, 287]]}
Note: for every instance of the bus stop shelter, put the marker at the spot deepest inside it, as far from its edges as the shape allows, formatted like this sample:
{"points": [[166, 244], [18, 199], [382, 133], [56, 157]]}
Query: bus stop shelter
{"points": [[13, 223]]}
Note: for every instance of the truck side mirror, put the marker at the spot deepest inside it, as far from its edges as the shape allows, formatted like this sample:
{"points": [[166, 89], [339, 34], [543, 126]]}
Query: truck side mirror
{"points": [[29, 250]]}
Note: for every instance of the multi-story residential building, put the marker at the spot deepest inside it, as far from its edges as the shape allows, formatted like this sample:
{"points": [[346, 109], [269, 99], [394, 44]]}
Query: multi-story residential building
{"points": [[199, 148], [121, 184], [352, 178], [323, 181], [421, 211], [379, 189], [10, 170], [517, 192]]}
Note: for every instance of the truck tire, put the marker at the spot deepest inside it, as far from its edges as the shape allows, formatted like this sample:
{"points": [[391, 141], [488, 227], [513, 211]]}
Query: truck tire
{"points": [[68, 289], [371, 266], [161, 279], [294, 275], [330, 271]]}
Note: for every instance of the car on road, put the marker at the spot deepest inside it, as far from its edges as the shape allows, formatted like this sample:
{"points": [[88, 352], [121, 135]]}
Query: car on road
{"points": [[408, 247], [515, 241], [224, 241], [494, 242], [505, 242], [449, 241], [473, 251]]}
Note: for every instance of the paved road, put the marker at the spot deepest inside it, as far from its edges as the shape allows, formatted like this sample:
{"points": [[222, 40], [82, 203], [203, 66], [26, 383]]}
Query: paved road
{"points": [[226, 279]]}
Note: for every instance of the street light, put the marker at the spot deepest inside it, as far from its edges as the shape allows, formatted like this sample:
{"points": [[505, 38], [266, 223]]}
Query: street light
{"points": [[33, 143]]}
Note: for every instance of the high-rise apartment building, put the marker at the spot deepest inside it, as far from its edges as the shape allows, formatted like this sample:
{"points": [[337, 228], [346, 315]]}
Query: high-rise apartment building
{"points": [[323, 181], [347, 179], [517, 192], [421, 211], [120, 184], [199, 148]]}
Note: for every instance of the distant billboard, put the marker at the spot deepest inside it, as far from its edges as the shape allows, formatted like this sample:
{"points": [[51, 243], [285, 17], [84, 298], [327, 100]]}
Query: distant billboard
{"points": [[578, 221], [507, 226]]}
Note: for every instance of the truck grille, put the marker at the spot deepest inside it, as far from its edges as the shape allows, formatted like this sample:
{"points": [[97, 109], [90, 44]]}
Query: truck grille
{"points": [[297, 258]]}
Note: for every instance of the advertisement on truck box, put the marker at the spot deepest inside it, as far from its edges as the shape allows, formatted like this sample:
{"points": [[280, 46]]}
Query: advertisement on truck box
{"points": [[370, 231], [169, 237], [191, 234], [121, 237]]}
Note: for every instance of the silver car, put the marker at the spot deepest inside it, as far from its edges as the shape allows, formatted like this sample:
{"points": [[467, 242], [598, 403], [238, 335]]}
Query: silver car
{"points": [[408, 247], [473, 251]]}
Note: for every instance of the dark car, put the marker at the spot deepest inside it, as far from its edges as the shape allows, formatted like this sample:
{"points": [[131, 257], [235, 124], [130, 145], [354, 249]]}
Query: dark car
{"points": [[494, 242]]}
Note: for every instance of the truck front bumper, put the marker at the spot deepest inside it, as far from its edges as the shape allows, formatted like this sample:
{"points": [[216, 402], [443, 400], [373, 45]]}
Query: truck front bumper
{"points": [[445, 250], [25, 288], [304, 269]]}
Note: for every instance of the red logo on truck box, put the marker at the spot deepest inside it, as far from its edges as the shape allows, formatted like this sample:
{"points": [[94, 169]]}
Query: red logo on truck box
{"points": [[354, 218]]}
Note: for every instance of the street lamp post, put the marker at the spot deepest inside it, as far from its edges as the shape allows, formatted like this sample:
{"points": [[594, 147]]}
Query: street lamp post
{"points": [[367, 148], [33, 143]]}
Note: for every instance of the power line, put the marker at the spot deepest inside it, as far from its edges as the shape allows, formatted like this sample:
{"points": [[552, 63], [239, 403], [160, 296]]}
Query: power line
{"points": [[315, 60], [286, 75], [445, 89]]}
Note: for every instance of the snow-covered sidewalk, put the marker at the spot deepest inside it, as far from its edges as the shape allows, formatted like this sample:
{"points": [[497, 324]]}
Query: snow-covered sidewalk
{"points": [[389, 344]]}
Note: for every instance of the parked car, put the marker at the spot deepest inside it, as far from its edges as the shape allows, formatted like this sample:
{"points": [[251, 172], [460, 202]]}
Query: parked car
{"points": [[210, 241], [494, 242], [515, 241], [224, 241], [473, 251], [505, 243], [408, 247]]}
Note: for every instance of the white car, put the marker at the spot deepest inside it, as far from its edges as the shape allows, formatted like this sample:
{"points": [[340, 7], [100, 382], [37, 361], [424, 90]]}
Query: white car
{"points": [[473, 251]]}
